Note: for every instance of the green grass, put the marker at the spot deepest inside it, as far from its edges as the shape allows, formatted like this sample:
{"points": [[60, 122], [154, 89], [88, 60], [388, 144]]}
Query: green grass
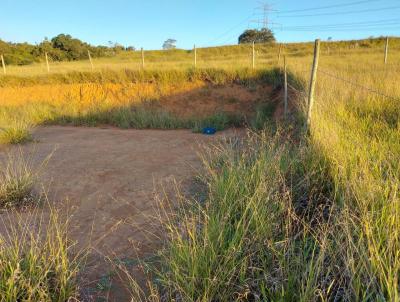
{"points": [[36, 264], [145, 117], [252, 237]]}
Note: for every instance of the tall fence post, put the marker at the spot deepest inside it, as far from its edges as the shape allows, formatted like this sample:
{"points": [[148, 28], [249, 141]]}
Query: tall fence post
{"points": [[254, 56], [386, 49], [90, 59], [313, 81], [47, 62], [285, 110], [3, 64], [142, 50], [195, 55]]}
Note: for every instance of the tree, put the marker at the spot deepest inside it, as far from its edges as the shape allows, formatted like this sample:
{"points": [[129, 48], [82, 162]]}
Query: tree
{"points": [[263, 35], [75, 49], [169, 44], [60, 48]]}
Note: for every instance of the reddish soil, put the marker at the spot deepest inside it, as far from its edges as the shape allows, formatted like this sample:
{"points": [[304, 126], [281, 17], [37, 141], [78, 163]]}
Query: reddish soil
{"points": [[108, 180], [233, 99]]}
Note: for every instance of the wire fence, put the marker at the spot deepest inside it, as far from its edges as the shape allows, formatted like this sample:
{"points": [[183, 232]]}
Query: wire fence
{"points": [[308, 92], [358, 85], [332, 75]]}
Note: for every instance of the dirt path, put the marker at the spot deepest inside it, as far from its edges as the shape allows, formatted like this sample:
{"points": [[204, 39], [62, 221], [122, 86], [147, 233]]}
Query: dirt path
{"points": [[107, 179]]}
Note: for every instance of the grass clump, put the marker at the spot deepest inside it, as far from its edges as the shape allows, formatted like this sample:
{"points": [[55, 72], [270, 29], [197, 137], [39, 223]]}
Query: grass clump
{"points": [[219, 121], [263, 116], [18, 176], [16, 132], [35, 260]]}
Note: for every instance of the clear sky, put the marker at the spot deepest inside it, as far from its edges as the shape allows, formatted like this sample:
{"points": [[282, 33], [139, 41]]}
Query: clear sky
{"points": [[147, 23]]}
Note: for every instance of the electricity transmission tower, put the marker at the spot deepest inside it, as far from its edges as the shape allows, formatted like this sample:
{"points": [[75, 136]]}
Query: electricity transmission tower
{"points": [[264, 10]]}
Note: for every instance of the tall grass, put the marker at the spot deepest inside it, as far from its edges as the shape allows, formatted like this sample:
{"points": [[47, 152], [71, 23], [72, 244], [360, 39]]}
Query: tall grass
{"points": [[17, 180], [36, 260], [361, 140], [300, 218], [260, 234]]}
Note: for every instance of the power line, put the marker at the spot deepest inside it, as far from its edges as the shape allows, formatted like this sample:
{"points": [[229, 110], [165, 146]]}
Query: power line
{"points": [[328, 6], [341, 13], [339, 29], [231, 29], [350, 25]]}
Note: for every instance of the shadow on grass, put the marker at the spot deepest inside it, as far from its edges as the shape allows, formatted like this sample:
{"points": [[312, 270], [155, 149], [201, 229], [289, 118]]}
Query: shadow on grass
{"points": [[225, 99], [147, 117]]}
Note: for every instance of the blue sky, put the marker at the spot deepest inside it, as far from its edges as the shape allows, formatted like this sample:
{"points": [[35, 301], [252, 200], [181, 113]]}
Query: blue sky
{"points": [[147, 23]]}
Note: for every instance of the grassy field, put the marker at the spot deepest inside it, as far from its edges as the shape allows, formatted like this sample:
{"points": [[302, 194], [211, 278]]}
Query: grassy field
{"points": [[309, 218], [289, 216], [225, 57]]}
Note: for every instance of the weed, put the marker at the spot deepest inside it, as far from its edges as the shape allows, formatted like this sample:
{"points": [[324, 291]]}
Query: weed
{"points": [[16, 132], [36, 262], [18, 177]]}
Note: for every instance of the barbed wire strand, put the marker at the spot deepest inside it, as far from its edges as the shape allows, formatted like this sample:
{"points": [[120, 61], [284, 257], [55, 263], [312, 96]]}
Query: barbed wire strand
{"points": [[372, 90]]}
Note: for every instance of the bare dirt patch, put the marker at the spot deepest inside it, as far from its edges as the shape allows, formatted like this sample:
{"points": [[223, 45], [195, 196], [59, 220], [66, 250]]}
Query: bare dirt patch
{"points": [[232, 99], [107, 180]]}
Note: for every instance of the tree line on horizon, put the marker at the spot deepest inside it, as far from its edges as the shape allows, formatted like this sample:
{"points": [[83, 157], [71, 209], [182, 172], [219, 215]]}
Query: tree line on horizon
{"points": [[62, 47]]}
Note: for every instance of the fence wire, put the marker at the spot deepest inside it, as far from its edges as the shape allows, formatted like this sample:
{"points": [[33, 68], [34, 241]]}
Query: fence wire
{"points": [[358, 85]]}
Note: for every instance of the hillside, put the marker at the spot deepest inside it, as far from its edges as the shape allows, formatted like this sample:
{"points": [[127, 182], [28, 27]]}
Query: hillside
{"points": [[75, 52]]}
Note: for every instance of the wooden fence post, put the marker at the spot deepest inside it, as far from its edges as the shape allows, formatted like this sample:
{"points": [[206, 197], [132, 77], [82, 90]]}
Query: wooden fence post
{"points": [[386, 49], [313, 81], [279, 54], [90, 59], [285, 111], [47, 62], [3, 64], [142, 58], [254, 56], [195, 55]]}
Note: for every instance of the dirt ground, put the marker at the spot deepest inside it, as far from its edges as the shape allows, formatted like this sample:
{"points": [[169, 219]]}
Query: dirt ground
{"points": [[109, 181], [231, 99]]}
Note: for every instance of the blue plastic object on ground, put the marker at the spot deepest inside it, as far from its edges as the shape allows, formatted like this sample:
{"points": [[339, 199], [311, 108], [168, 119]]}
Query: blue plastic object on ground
{"points": [[209, 130]]}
